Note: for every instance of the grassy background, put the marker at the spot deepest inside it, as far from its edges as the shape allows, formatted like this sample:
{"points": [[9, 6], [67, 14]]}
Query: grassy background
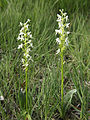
{"points": [[44, 72]]}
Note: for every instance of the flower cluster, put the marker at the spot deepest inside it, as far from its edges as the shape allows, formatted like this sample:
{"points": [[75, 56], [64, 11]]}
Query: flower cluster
{"points": [[62, 32], [26, 45]]}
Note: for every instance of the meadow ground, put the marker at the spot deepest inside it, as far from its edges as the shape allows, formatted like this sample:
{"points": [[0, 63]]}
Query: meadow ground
{"points": [[44, 77]]}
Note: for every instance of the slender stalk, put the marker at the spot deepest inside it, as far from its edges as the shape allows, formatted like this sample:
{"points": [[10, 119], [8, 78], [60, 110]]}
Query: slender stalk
{"points": [[26, 75], [45, 116], [26, 91], [62, 82]]}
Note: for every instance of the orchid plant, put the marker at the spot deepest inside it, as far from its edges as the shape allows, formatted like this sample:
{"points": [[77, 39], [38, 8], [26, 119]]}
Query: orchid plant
{"points": [[62, 41], [25, 39]]}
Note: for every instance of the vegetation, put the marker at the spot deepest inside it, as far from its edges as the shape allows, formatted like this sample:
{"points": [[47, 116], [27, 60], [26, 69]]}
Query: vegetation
{"points": [[44, 73]]}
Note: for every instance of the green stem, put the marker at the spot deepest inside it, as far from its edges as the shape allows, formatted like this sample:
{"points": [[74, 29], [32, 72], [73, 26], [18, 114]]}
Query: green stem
{"points": [[26, 76], [26, 91], [62, 81]]}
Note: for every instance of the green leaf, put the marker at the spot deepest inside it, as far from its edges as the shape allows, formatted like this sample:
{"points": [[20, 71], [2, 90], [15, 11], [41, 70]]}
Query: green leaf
{"points": [[59, 109], [68, 99]]}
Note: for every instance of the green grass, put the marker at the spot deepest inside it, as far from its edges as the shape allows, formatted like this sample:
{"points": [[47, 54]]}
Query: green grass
{"points": [[44, 73]]}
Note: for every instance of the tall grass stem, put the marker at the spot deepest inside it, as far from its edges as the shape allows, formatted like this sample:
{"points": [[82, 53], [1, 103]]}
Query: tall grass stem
{"points": [[26, 92], [62, 82]]}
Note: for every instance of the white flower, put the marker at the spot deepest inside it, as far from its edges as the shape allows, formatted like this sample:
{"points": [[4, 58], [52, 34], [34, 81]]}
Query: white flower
{"points": [[30, 35], [20, 46], [66, 18], [61, 10], [31, 45], [58, 20], [21, 38], [21, 23], [21, 33], [58, 41], [29, 41], [26, 64], [59, 16], [66, 41], [64, 14], [60, 24], [68, 32], [58, 51], [22, 29], [67, 25], [28, 50], [58, 31], [26, 25], [27, 55], [18, 38], [28, 20], [1, 98]]}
